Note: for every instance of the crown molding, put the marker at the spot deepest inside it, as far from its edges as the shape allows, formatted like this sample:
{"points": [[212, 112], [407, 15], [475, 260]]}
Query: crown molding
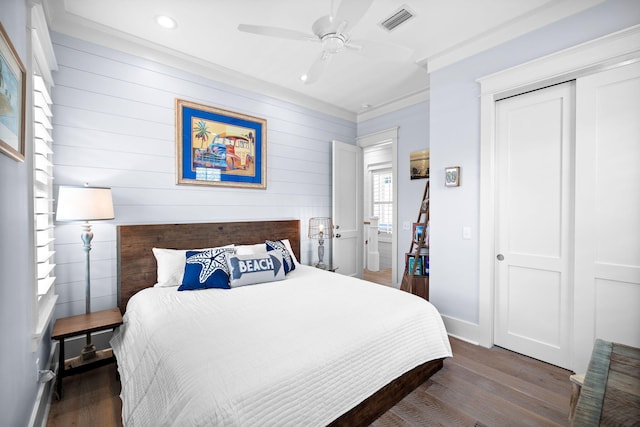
{"points": [[538, 18], [397, 104], [607, 51]]}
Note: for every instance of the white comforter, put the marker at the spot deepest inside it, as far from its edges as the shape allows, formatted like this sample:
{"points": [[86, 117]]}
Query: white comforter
{"points": [[297, 352]]}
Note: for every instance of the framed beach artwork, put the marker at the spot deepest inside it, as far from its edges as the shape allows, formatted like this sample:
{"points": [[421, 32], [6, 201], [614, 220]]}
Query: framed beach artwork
{"points": [[419, 164], [217, 147], [12, 97]]}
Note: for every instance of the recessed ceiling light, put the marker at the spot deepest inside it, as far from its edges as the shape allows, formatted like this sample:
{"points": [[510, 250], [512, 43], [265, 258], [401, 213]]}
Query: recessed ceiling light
{"points": [[304, 77], [166, 22]]}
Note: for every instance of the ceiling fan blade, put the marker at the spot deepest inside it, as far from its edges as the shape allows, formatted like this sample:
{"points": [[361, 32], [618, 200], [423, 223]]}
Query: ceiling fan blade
{"points": [[349, 13], [317, 68], [380, 50], [281, 33]]}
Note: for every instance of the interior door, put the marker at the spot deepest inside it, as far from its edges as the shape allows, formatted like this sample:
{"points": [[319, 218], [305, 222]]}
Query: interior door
{"points": [[607, 277], [534, 144], [346, 181]]}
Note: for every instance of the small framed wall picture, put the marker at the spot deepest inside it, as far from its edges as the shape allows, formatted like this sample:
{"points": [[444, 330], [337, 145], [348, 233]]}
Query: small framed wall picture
{"points": [[452, 176]]}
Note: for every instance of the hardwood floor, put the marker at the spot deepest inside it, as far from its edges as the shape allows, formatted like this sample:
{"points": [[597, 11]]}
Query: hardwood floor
{"points": [[477, 387], [382, 277], [486, 387], [89, 399]]}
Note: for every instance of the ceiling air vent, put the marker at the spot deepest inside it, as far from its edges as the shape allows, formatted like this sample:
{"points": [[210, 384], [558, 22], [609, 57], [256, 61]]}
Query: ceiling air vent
{"points": [[397, 18]]}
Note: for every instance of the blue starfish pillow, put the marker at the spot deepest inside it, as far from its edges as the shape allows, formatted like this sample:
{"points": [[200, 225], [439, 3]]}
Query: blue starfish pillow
{"points": [[278, 245], [206, 269]]}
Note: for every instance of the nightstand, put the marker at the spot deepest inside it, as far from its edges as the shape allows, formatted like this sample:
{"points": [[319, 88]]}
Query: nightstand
{"points": [[81, 325]]}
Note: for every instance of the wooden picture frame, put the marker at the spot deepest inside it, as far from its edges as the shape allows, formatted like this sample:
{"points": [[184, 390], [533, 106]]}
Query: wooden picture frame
{"points": [[219, 148], [452, 176], [12, 99], [419, 164]]}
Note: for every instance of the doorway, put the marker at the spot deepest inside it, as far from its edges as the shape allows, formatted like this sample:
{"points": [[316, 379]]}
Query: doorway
{"points": [[379, 152], [567, 258], [599, 309], [378, 213]]}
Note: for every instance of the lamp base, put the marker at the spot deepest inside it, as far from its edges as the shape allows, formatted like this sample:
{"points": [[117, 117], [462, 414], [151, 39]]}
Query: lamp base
{"points": [[88, 352], [321, 265]]}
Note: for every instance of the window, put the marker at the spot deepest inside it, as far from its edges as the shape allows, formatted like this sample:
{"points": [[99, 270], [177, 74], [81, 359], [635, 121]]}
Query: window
{"points": [[43, 201], [44, 296], [382, 198]]}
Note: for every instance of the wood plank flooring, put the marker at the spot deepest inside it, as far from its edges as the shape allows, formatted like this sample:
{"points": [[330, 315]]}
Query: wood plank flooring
{"points": [[477, 387], [382, 277]]}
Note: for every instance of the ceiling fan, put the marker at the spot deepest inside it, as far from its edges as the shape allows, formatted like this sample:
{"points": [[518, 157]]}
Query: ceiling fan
{"points": [[332, 32]]}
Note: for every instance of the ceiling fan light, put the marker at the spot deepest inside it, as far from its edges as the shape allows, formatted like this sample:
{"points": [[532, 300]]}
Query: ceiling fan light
{"points": [[166, 22], [333, 43]]}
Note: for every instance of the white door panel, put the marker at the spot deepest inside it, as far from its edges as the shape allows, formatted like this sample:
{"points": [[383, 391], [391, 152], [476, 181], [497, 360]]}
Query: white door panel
{"points": [[607, 273], [347, 177], [534, 143]]}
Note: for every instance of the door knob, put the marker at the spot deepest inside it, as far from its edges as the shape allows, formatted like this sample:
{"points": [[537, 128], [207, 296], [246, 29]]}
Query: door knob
{"points": [[500, 257], [338, 236]]}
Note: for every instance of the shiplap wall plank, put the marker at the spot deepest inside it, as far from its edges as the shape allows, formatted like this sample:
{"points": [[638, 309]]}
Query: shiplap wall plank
{"points": [[114, 125]]}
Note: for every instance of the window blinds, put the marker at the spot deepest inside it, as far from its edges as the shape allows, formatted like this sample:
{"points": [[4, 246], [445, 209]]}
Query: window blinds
{"points": [[382, 198], [43, 187]]}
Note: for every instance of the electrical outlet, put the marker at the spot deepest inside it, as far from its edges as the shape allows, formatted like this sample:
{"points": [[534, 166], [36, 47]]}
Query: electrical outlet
{"points": [[406, 225], [466, 233]]}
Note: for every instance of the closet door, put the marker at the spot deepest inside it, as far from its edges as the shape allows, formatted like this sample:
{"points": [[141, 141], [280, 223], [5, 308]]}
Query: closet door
{"points": [[607, 244], [534, 145]]}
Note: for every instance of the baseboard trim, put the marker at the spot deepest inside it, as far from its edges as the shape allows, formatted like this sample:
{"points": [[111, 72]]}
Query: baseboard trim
{"points": [[42, 405], [461, 329]]}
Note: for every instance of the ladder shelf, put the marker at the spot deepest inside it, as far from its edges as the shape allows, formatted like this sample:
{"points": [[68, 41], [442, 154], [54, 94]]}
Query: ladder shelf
{"points": [[415, 279]]}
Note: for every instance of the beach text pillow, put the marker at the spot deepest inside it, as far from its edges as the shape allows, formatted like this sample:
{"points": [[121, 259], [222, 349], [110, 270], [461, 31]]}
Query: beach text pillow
{"points": [[256, 268]]}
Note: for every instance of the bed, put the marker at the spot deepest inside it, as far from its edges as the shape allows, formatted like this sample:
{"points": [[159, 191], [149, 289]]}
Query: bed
{"points": [[316, 348]]}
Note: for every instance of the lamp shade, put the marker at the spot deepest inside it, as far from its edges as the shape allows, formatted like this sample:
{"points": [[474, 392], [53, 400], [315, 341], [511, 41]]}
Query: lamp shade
{"points": [[84, 203], [320, 225]]}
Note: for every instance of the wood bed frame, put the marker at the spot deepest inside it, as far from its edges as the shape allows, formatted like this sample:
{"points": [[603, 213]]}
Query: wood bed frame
{"points": [[137, 270]]}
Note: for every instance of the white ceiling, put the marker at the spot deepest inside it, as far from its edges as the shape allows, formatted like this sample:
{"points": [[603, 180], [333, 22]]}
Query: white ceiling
{"points": [[206, 40]]}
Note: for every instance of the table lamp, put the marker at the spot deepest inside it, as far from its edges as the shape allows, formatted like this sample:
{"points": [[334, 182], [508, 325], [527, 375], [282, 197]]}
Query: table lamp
{"points": [[320, 228]]}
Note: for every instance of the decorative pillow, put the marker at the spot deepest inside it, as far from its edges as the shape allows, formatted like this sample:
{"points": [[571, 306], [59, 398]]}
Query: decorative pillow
{"points": [[206, 269], [280, 246], [287, 244], [170, 265], [257, 268]]}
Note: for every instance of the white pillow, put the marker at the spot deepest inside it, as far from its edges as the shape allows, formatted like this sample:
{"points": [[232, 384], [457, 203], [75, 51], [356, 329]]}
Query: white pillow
{"points": [[258, 248], [170, 265]]}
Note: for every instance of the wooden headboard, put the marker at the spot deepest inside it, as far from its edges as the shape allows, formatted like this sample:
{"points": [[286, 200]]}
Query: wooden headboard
{"points": [[137, 265]]}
